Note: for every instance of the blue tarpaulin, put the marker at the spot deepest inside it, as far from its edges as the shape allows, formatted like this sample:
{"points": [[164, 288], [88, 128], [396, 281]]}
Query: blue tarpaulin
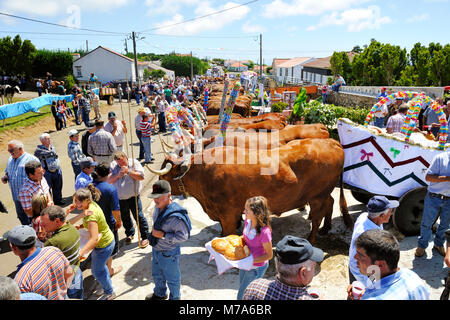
{"points": [[18, 108]]}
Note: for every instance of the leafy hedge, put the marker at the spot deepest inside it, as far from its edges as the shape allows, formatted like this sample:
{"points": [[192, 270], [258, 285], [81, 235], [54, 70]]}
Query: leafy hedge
{"points": [[328, 114], [278, 107]]}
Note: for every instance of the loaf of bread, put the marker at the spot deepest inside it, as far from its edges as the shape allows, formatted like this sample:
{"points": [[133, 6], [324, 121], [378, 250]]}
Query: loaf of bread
{"points": [[231, 247], [237, 253], [220, 245]]}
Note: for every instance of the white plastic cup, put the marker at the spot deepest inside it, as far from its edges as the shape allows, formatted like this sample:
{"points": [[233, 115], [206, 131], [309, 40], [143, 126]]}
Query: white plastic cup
{"points": [[357, 289]]}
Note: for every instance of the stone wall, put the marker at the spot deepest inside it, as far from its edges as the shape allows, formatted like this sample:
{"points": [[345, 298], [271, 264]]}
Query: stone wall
{"points": [[351, 100], [432, 92]]}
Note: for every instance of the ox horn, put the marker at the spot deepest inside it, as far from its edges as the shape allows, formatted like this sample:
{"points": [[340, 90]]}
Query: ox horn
{"points": [[167, 144], [162, 146], [162, 171]]}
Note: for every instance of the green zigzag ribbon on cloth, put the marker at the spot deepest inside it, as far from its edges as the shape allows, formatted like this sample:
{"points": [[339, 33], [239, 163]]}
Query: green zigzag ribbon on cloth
{"points": [[382, 177]]}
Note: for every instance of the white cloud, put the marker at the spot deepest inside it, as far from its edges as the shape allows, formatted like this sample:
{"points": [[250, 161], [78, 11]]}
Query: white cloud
{"points": [[247, 27], [354, 19], [282, 8], [419, 18], [168, 7], [210, 23], [51, 8]]}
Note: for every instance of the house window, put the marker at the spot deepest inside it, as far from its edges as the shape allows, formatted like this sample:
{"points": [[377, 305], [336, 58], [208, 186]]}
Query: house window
{"points": [[286, 72], [79, 75]]}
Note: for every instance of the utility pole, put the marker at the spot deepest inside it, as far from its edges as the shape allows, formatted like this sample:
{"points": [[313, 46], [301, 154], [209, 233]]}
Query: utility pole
{"points": [[87, 47], [192, 69], [260, 56], [133, 35]]}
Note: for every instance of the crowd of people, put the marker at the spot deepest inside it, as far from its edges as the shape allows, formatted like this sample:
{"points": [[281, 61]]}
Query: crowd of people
{"points": [[392, 114], [107, 196]]}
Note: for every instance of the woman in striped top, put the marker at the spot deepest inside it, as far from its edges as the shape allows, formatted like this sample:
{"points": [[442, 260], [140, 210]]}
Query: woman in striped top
{"points": [[146, 126]]}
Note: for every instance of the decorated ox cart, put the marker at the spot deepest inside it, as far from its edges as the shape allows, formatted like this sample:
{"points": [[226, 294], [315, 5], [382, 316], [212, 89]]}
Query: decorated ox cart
{"points": [[393, 165]]}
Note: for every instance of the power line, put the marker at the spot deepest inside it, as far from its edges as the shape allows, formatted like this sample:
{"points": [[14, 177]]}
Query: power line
{"points": [[56, 24], [63, 33], [200, 17]]}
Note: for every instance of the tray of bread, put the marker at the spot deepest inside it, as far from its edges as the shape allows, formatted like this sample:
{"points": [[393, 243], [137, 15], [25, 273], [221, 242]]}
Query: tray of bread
{"points": [[229, 252]]}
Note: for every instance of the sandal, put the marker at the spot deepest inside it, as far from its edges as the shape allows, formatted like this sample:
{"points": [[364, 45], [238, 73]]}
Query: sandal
{"points": [[129, 239], [144, 244]]}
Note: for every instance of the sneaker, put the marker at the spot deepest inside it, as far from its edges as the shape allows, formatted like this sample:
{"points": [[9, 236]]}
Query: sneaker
{"points": [[419, 252], [155, 297], [111, 296], [441, 250]]}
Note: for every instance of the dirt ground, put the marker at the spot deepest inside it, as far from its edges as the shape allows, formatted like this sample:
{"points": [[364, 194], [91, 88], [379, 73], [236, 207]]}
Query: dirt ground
{"points": [[200, 280]]}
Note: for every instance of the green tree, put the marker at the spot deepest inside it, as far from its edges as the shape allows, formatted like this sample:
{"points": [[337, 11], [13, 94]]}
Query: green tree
{"points": [[157, 73], [182, 65], [16, 56], [340, 64]]}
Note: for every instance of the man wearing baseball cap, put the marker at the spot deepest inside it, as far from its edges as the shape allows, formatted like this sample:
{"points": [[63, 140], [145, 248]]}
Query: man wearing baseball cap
{"points": [[171, 227], [296, 261], [45, 271], [84, 178], [379, 210], [74, 151]]}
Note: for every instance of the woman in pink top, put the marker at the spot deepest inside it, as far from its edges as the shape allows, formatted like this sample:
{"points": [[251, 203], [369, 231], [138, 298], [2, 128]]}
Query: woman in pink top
{"points": [[257, 236]]}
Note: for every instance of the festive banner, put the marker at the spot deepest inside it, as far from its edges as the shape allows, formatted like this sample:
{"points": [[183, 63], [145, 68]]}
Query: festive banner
{"points": [[205, 104], [224, 98], [380, 164], [228, 111]]}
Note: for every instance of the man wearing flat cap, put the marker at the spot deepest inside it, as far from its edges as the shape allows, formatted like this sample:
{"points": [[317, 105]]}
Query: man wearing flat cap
{"points": [[45, 271], [296, 261]]}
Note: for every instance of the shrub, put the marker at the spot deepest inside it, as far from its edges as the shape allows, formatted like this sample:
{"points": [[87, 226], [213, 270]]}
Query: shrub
{"points": [[278, 107], [315, 112]]}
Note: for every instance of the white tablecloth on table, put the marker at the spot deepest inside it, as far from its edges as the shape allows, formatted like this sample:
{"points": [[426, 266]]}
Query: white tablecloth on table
{"points": [[223, 264]]}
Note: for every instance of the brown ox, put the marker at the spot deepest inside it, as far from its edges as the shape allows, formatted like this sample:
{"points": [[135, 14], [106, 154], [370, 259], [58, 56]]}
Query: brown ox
{"points": [[238, 119], [270, 140], [308, 171], [262, 125]]}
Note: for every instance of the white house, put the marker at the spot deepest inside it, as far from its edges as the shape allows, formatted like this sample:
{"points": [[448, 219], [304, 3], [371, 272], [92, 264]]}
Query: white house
{"points": [[107, 65], [291, 70], [151, 65]]}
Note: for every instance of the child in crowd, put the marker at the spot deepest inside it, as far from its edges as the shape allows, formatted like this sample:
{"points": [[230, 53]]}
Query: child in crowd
{"points": [[257, 235]]}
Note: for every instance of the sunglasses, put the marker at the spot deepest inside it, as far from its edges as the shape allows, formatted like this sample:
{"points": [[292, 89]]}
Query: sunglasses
{"points": [[11, 150]]}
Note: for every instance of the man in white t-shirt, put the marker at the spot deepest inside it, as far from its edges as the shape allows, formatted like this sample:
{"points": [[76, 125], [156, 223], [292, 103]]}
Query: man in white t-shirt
{"points": [[379, 210], [117, 128]]}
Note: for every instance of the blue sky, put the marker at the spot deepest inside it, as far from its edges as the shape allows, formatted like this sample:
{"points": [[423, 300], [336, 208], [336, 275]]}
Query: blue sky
{"points": [[290, 28]]}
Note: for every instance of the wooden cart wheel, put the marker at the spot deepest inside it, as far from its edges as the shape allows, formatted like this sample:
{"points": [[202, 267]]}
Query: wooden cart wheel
{"points": [[111, 100], [362, 197], [408, 216]]}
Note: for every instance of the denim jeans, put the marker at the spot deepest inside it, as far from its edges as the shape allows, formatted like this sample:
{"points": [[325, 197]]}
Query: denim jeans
{"points": [[141, 146], [138, 98], [147, 143], [76, 169], [430, 212], [130, 205], [162, 121], [324, 97], [245, 277], [85, 116], [55, 182], [99, 268], [166, 273], [76, 291], [379, 122], [21, 215]]}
